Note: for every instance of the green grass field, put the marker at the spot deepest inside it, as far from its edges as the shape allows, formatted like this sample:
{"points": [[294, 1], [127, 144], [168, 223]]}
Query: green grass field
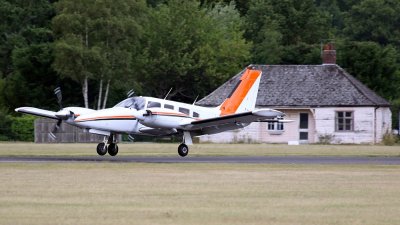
{"points": [[138, 193], [154, 149]]}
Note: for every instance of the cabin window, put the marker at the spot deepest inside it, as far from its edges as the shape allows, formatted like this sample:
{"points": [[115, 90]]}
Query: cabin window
{"points": [[344, 121], [195, 114], [154, 105], [275, 126], [167, 106], [184, 110]]}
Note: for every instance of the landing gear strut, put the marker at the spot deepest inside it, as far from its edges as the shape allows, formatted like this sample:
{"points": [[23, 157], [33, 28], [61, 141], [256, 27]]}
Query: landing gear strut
{"points": [[112, 148]]}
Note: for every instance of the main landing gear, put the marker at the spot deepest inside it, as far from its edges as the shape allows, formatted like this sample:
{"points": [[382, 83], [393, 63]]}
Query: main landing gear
{"points": [[112, 148], [183, 149]]}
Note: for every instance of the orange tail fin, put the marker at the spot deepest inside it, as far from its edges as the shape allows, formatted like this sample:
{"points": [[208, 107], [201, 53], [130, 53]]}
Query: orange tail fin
{"points": [[243, 97]]}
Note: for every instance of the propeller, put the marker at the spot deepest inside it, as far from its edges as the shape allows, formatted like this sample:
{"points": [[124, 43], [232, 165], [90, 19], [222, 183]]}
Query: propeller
{"points": [[62, 114], [130, 93], [58, 94]]}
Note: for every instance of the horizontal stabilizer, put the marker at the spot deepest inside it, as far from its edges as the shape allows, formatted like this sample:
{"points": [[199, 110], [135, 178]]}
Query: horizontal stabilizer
{"points": [[37, 112]]}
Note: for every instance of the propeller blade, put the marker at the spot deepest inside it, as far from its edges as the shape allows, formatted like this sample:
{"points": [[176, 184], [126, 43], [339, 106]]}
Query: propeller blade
{"points": [[131, 138], [54, 130], [58, 94], [130, 93]]}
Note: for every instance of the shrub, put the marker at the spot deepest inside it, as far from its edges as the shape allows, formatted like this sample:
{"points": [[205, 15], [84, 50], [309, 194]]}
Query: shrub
{"points": [[22, 128], [389, 139], [325, 139]]}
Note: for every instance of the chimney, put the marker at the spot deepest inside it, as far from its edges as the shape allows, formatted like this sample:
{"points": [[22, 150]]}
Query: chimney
{"points": [[329, 54]]}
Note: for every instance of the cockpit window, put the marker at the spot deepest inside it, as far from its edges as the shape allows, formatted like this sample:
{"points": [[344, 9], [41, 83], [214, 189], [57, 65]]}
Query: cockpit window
{"points": [[153, 105], [134, 102]]}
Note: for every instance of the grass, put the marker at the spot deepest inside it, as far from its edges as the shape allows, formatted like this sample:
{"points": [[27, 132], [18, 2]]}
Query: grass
{"points": [[83, 193], [137, 193], [153, 149]]}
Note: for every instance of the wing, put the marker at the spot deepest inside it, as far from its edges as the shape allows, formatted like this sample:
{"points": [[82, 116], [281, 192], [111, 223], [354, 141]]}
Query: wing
{"points": [[37, 112], [233, 121]]}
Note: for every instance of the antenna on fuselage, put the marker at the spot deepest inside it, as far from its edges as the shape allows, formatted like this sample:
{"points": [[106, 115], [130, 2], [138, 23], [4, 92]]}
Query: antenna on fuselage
{"points": [[195, 99], [130, 93], [168, 93]]}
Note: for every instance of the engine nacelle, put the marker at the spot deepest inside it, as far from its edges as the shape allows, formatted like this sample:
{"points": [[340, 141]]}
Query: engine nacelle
{"points": [[164, 118]]}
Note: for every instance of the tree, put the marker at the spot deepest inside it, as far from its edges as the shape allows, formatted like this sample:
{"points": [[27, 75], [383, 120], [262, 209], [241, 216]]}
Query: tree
{"points": [[279, 28], [25, 53], [191, 48], [374, 20], [373, 65], [118, 31], [76, 55], [94, 39]]}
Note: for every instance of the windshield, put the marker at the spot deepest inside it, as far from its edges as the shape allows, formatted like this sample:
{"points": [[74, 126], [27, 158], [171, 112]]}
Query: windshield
{"points": [[134, 102]]}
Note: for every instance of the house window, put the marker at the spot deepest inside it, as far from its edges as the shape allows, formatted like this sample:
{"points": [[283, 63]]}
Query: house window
{"points": [[344, 121], [275, 126]]}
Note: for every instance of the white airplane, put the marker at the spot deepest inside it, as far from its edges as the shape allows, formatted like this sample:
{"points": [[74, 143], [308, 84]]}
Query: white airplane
{"points": [[159, 117]]}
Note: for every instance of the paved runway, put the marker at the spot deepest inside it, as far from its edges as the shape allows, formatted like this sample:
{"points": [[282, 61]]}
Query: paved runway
{"points": [[323, 160]]}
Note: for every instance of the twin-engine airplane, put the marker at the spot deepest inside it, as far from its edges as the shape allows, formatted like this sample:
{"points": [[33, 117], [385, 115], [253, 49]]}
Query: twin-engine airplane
{"points": [[159, 117]]}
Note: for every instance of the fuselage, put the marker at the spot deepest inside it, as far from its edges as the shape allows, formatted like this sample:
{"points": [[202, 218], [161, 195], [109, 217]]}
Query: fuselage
{"points": [[153, 113]]}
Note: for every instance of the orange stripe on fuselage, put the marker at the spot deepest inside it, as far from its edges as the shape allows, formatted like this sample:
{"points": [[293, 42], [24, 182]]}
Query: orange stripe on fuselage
{"points": [[232, 103], [105, 118]]}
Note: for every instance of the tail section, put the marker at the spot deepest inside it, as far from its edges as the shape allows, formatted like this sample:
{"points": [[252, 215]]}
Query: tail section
{"points": [[243, 97]]}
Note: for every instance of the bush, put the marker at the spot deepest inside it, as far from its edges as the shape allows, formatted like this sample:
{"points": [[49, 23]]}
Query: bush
{"points": [[389, 139], [22, 128], [326, 139], [5, 125]]}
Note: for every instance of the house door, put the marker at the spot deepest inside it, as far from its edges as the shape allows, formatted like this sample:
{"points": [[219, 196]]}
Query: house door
{"points": [[303, 128]]}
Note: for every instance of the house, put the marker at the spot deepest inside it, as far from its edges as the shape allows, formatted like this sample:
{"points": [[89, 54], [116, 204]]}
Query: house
{"points": [[326, 103]]}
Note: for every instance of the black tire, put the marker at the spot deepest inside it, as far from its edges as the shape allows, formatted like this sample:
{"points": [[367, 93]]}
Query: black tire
{"points": [[101, 149], [113, 149], [183, 150]]}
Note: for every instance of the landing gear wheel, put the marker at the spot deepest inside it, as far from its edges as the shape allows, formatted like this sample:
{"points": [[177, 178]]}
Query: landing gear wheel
{"points": [[113, 149], [101, 149], [183, 150]]}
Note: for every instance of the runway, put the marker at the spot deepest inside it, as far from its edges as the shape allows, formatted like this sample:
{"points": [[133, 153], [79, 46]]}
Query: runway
{"points": [[313, 160]]}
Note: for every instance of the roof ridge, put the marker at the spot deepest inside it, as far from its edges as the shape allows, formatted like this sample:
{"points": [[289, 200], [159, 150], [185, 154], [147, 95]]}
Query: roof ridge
{"points": [[356, 83]]}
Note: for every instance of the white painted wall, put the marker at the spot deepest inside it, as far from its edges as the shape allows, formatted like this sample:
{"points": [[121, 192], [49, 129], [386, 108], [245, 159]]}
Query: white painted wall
{"points": [[321, 122]]}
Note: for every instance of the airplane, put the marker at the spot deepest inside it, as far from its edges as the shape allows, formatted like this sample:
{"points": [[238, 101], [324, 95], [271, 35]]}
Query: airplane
{"points": [[150, 116]]}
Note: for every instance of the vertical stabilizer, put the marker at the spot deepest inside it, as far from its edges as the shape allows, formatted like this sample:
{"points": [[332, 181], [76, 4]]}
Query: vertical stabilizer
{"points": [[244, 95]]}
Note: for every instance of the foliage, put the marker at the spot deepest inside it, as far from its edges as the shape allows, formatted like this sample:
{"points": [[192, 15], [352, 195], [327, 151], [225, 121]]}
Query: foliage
{"points": [[25, 52], [22, 128], [278, 27], [5, 125], [192, 46], [191, 49], [389, 139], [326, 139], [374, 65]]}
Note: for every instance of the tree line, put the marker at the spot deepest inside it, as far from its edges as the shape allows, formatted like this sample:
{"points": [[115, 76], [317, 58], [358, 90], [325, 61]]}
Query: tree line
{"points": [[97, 50]]}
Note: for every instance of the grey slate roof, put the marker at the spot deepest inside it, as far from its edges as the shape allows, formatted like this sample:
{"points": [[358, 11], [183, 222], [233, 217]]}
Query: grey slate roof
{"points": [[303, 86]]}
